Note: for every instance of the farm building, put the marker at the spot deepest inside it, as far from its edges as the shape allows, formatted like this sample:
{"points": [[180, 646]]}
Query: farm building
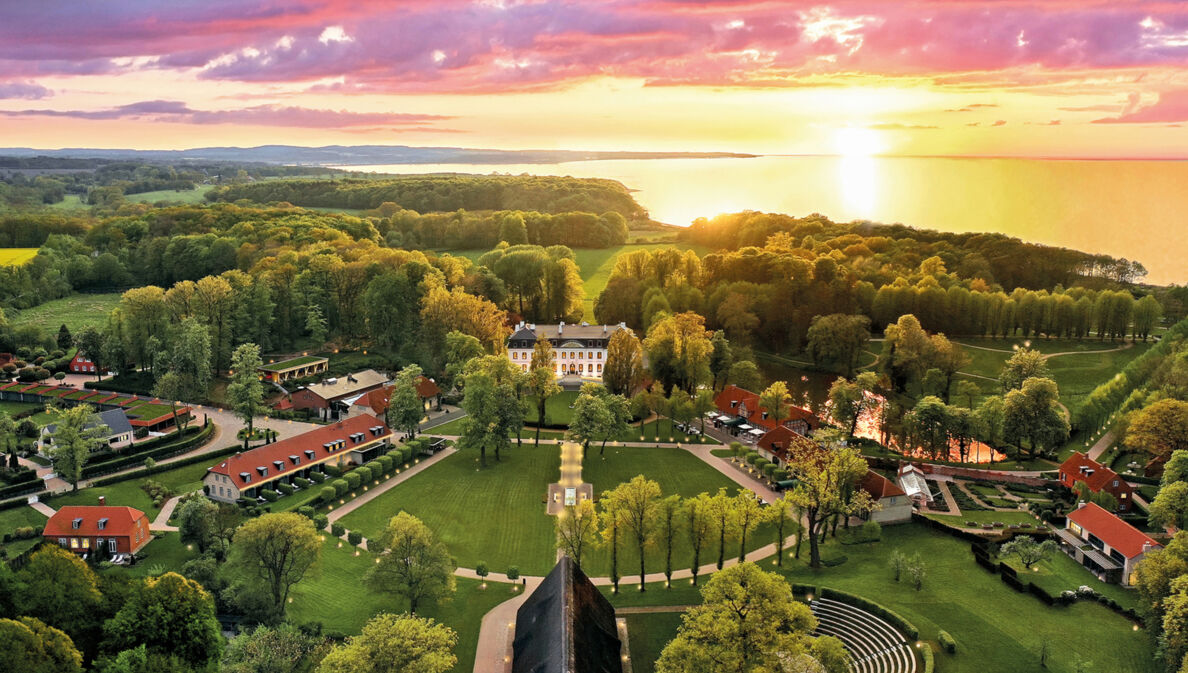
{"points": [[1104, 543], [82, 528], [332, 398], [117, 430], [293, 368]]}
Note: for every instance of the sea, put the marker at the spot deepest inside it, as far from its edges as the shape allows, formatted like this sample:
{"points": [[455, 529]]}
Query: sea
{"points": [[1134, 209]]}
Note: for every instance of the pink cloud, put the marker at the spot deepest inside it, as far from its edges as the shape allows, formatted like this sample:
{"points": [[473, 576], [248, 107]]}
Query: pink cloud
{"points": [[1171, 107], [465, 46], [26, 90], [263, 115]]}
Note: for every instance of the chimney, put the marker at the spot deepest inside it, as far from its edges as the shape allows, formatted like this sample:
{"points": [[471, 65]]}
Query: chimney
{"points": [[561, 328], [102, 500], [1146, 547], [604, 329]]}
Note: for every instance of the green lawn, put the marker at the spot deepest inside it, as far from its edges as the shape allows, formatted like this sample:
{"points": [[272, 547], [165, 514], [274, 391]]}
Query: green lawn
{"points": [[76, 312], [180, 480], [17, 517], [14, 408], [1060, 573], [984, 516], [495, 514], [196, 195], [647, 634], [337, 596]]}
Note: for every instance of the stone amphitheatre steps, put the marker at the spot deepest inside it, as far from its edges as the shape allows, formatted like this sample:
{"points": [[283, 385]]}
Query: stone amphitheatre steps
{"points": [[874, 645]]}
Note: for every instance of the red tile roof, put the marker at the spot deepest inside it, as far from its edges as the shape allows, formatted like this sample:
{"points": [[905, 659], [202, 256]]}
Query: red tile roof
{"points": [[880, 487], [314, 440], [1101, 476], [377, 400], [1115, 532], [121, 521], [732, 399], [427, 388]]}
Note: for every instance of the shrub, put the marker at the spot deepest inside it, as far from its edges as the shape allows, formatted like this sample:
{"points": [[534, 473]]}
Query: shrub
{"points": [[947, 642], [340, 487], [386, 462], [482, 570], [287, 489], [321, 521], [738, 449], [353, 479], [355, 537], [871, 531], [362, 473], [24, 532], [317, 477], [513, 572], [761, 463], [337, 529], [780, 474], [332, 470], [328, 493], [306, 511], [269, 494], [769, 470], [751, 457], [301, 482]]}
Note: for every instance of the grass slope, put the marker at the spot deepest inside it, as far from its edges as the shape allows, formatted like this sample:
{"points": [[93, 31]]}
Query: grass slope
{"points": [[647, 634], [76, 312]]}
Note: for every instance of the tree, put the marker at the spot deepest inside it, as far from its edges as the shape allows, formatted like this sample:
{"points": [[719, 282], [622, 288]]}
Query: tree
{"points": [[745, 375], [780, 516], [460, 349], [611, 519], [988, 421], [668, 511], [721, 511], [967, 390], [702, 404], [1154, 574], [577, 530], [29, 646], [906, 351], [679, 349], [1173, 641], [1024, 364], [245, 393], [774, 400], [90, 342], [1147, 312], [1175, 469], [826, 479], [848, 400], [1028, 550], [699, 524], [414, 565], [169, 615], [268, 649], [721, 359], [1160, 429], [77, 433], [831, 653], [747, 514], [277, 549], [405, 408], [836, 340], [492, 406], [1169, 509], [198, 522], [395, 643], [58, 588], [748, 621], [542, 381], [638, 500], [624, 363], [598, 415], [1033, 414]]}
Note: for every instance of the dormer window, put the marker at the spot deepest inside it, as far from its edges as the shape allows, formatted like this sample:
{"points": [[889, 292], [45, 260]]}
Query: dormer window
{"points": [[733, 403], [262, 470], [309, 453], [103, 523], [295, 460], [77, 523], [245, 476], [279, 465]]}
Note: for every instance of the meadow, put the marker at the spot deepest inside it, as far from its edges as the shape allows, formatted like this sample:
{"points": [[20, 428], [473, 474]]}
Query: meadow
{"points": [[76, 312]]}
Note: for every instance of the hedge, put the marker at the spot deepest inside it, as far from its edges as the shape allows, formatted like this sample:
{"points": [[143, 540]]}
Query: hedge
{"points": [[387, 462], [164, 451], [22, 489], [321, 521], [337, 529], [328, 493], [210, 457], [301, 482], [929, 658], [285, 488], [332, 470], [361, 473], [947, 642], [269, 494], [340, 486], [353, 479], [317, 477], [909, 629]]}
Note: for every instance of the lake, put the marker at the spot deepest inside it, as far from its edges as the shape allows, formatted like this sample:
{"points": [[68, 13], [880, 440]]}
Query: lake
{"points": [[1132, 209]]}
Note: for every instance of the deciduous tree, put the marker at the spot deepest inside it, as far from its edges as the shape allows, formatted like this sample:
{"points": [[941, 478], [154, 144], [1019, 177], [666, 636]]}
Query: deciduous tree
{"points": [[391, 643], [1159, 429], [29, 646], [699, 525], [414, 564], [405, 408], [77, 433], [577, 530], [276, 549], [245, 393], [269, 649], [1024, 364], [638, 500], [169, 615], [624, 363]]}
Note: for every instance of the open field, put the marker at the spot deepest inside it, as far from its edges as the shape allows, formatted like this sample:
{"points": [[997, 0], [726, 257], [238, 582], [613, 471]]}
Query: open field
{"points": [[17, 256], [595, 265], [76, 312], [196, 195], [14, 408]]}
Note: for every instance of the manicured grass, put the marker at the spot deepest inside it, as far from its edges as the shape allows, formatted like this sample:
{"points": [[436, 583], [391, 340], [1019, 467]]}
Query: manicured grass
{"points": [[167, 551], [128, 492], [1060, 573], [495, 514], [291, 362], [996, 628], [677, 472], [14, 408], [985, 516], [16, 517], [337, 596], [647, 635], [76, 312], [454, 427], [558, 409], [17, 256]]}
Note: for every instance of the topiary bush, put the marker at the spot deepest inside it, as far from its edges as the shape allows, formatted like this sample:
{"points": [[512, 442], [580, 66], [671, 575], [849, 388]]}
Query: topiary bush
{"points": [[340, 487], [269, 494], [337, 529], [362, 473], [301, 482], [355, 537], [321, 521], [386, 462], [513, 572], [317, 477], [328, 494], [332, 470], [287, 489], [353, 479], [306, 511]]}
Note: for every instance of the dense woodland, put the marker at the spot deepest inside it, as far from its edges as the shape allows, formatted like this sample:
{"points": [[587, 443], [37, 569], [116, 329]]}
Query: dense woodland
{"points": [[447, 192]]}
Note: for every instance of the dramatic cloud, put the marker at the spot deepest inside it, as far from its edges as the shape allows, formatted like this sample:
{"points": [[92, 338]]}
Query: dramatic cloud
{"points": [[461, 45], [262, 115], [1171, 107], [25, 90]]}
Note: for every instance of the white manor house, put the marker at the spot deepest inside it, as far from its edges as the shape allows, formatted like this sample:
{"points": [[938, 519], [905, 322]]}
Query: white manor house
{"points": [[579, 350]]}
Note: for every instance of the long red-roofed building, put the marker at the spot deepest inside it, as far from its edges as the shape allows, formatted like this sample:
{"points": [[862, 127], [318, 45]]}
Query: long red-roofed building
{"points": [[1098, 478], [82, 528], [1104, 543], [353, 440]]}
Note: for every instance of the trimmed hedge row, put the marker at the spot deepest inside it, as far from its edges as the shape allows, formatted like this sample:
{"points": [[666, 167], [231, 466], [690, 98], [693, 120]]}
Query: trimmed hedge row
{"points": [[165, 467], [23, 488], [164, 451], [909, 629]]}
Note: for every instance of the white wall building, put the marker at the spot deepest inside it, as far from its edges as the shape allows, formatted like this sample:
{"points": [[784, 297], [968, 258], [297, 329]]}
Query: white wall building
{"points": [[579, 350]]}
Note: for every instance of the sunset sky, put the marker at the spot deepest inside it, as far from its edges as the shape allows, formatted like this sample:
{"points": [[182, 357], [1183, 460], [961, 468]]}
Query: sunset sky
{"points": [[992, 77]]}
